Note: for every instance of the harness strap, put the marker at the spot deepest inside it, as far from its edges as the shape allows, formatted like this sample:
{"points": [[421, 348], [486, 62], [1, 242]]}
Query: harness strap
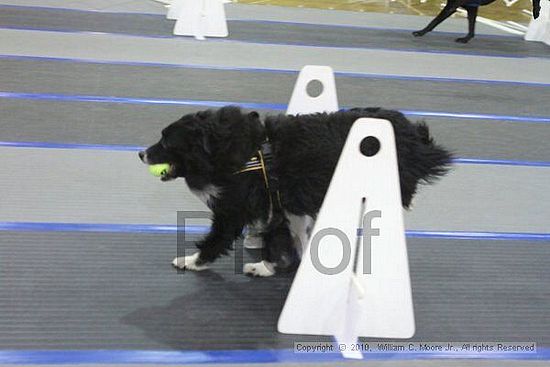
{"points": [[263, 161]]}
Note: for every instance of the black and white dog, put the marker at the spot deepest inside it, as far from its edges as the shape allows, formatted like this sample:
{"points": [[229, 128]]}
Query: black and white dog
{"points": [[211, 150], [471, 7]]}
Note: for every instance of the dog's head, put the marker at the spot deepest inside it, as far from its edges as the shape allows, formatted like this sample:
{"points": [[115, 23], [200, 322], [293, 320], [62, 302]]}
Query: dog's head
{"points": [[206, 143]]}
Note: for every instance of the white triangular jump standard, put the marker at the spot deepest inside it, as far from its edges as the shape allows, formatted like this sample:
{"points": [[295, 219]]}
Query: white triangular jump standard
{"points": [[174, 9], [350, 285], [302, 103], [539, 29], [199, 18]]}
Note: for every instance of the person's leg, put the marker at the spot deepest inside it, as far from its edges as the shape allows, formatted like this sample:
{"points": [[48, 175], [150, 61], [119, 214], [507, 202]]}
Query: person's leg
{"points": [[447, 11], [472, 15]]}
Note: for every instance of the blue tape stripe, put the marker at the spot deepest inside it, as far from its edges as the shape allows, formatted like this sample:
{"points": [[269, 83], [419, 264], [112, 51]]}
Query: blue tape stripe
{"points": [[202, 229], [501, 162], [47, 145], [467, 235], [477, 116], [289, 44], [438, 79], [53, 8], [232, 356], [72, 31], [98, 227], [132, 100], [274, 71], [136, 148], [249, 105]]}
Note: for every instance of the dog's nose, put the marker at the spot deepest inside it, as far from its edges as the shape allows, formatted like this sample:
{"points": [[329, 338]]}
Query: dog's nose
{"points": [[141, 155]]}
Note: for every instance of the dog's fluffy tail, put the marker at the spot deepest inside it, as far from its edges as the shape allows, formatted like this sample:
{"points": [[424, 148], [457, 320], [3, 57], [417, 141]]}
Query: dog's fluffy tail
{"points": [[436, 161], [421, 160]]}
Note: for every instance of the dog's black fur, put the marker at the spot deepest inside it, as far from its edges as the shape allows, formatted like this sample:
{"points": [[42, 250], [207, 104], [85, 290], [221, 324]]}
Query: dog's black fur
{"points": [[471, 7], [208, 147]]}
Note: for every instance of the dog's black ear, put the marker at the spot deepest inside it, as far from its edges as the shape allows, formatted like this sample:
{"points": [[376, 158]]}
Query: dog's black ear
{"points": [[254, 115]]}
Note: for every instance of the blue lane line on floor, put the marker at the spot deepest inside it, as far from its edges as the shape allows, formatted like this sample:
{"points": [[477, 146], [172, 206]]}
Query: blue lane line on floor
{"points": [[342, 74], [53, 8], [289, 44], [501, 162], [133, 100], [235, 356], [466, 235], [100, 227], [477, 116], [282, 22], [249, 105], [135, 148], [202, 229], [43, 145]]}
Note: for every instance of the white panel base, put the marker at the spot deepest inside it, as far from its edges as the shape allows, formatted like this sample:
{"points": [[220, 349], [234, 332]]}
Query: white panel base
{"points": [[200, 19], [302, 103], [539, 29], [350, 304], [174, 9]]}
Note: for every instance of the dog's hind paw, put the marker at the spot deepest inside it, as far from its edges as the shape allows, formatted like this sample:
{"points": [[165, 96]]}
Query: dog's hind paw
{"points": [[191, 262], [418, 33], [261, 269]]}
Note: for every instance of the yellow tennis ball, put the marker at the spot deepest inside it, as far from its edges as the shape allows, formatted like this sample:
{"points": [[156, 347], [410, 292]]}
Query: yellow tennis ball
{"points": [[160, 169]]}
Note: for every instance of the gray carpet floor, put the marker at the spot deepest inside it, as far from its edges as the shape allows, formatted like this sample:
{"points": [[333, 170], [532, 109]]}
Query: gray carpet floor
{"points": [[91, 186], [269, 88], [232, 53], [139, 125], [119, 291]]}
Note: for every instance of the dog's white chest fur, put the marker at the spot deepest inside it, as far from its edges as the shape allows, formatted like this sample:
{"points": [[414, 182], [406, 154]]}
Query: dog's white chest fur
{"points": [[207, 194]]}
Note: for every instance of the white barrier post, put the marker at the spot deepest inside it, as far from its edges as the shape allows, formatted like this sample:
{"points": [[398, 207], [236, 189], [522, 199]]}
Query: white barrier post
{"points": [[539, 29], [174, 9], [350, 285], [199, 18], [302, 102]]}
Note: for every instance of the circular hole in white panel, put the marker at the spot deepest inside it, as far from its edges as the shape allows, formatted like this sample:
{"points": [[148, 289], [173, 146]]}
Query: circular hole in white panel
{"points": [[314, 88]]}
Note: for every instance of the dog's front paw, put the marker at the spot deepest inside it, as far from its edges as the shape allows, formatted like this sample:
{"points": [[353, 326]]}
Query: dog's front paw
{"points": [[261, 269], [418, 33], [191, 262]]}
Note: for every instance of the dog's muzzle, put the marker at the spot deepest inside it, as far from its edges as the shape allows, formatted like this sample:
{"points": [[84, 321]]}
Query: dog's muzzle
{"points": [[143, 156]]}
